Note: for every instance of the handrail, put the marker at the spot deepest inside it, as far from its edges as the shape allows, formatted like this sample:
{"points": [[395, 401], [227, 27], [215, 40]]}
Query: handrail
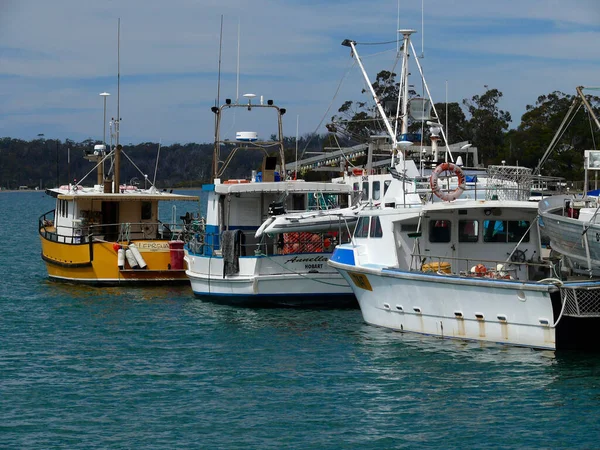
{"points": [[469, 262], [82, 234]]}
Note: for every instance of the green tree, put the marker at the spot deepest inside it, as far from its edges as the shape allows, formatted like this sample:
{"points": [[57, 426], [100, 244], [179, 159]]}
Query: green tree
{"points": [[528, 143], [457, 122], [360, 119], [487, 124]]}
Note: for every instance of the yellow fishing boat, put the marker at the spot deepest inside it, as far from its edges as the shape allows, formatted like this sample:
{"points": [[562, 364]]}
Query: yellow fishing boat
{"points": [[110, 233]]}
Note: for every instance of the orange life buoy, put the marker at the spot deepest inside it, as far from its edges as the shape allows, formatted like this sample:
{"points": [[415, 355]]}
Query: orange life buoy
{"points": [[437, 190], [240, 181], [357, 171]]}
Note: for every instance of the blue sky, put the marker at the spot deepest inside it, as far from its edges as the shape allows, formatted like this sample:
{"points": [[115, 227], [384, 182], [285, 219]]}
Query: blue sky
{"points": [[56, 57]]}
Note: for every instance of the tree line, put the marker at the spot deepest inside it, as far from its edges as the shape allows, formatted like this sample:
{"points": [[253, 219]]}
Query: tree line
{"points": [[480, 121], [46, 163]]}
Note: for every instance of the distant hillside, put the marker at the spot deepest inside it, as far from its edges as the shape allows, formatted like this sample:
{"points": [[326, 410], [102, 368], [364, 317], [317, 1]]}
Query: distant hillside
{"points": [[41, 162]]}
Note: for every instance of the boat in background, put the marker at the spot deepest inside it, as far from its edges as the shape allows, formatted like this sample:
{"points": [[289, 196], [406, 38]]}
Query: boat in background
{"points": [[572, 221], [232, 261]]}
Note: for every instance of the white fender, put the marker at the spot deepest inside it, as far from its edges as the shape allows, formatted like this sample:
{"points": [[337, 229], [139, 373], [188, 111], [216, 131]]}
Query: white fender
{"points": [[121, 258], [131, 259], [138, 256], [265, 224]]}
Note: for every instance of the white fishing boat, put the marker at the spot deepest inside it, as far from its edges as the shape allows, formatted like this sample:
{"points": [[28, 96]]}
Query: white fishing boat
{"points": [[468, 270], [463, 268], [233, 261]]}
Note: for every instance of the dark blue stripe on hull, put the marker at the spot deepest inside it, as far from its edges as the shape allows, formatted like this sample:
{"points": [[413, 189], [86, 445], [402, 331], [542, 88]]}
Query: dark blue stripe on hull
{"points": [[329, 301]]}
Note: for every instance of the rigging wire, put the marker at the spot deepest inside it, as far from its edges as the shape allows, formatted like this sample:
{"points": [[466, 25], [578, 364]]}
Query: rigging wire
{"points": [[328, 108], [315, 133]]}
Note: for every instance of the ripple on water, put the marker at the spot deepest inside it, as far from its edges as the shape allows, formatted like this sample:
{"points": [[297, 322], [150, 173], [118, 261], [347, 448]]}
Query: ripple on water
{"points": [[84, 367]]}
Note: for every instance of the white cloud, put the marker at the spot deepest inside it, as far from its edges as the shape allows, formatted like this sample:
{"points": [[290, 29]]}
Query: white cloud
{"points": [[55, 57]]}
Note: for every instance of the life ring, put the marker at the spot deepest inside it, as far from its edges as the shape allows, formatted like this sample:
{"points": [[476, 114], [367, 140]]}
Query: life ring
{"points": [[357, 171], [437, 190], [240, 181]]}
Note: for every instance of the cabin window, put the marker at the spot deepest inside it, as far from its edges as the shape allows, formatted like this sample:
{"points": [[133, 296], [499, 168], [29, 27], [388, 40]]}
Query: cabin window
{"points": [[517, 229], [376, 190], [468, 231], [506, 230], [298, 202], [146, 210], [494, 231], [409, 227], [355, 187], [362, 227], [386, 185], [365, 190], [376, 231], [439, 231]]}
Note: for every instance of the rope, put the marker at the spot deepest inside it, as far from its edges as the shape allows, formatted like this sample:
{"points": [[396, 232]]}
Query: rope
{"points": [[376, 43], [96, 166], [328, 108], [591, 129], [138, 169], [124, 232]]}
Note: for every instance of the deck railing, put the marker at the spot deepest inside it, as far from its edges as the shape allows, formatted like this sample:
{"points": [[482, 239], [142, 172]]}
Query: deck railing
{"points": [[84, 233], [491, 268], [209, 244]]}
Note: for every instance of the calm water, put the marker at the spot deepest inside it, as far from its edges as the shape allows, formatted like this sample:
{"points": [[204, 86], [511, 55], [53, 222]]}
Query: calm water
{"points": [[146, 368]]}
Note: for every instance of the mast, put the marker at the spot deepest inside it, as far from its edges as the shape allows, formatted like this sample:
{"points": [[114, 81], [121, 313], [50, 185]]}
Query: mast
{"points": [[404, 81], [217, 110], [117, 187], [403, 88], [352, 45]]}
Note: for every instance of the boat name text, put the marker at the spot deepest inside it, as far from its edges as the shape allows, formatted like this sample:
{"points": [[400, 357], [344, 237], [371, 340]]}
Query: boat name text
{"points": [[314, 262]]}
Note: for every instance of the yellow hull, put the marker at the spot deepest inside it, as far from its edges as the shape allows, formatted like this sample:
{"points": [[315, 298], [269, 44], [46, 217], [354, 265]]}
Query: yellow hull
{"points": [[96, 263]]}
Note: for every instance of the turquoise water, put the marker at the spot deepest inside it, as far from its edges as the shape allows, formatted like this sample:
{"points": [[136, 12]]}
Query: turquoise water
{"points": [[149, 368]]}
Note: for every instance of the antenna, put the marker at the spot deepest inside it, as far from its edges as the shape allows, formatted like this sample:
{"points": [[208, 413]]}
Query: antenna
{"points": [[218, 102], [156, 167], [397, 28], [118, 79], [296, 165], [447, 131], [237, 86], [422, 29], [117, 159]]}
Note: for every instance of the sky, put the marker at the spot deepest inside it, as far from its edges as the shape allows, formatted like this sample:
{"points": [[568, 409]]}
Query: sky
{"points": [[57, 56]]}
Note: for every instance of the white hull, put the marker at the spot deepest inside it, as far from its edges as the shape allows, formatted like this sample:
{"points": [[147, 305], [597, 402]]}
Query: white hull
{"points": [[278, 279], [502, 311], [578, 239]]}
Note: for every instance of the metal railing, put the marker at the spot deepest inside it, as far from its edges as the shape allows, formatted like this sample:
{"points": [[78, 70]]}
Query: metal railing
{"points": [[83, 233], [581, 301], [209, 244], [492, 268]]}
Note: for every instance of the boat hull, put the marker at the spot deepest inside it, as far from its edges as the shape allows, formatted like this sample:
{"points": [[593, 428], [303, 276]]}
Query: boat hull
{"points": [[497, 311], [577, 240], [96, 263], [277, 280]]}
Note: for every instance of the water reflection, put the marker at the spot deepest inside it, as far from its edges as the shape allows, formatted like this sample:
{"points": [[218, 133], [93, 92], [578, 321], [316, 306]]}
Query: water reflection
{"points": [[292, 320]]}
